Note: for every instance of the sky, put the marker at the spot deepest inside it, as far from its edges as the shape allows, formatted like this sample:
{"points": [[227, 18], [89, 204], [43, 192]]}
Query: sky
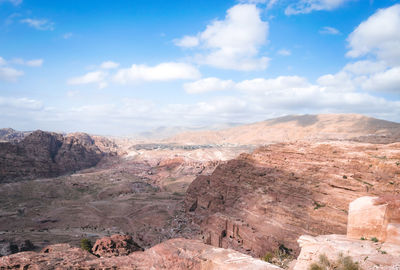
{"points": [[123, 67]]}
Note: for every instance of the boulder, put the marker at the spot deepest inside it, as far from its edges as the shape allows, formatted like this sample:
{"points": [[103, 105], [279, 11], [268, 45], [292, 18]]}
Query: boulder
{"points": [[377, 217], [366, 219], [116, 245]]}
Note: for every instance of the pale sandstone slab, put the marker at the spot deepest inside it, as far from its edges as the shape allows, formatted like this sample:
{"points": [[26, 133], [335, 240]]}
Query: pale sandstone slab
{"points": [[366, 219], [393, 233], [368, 254]]}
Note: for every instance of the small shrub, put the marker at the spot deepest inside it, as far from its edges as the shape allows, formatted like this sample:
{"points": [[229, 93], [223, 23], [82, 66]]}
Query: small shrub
{"points": [[86, 245], [344, 176], [363, 238], [374, 239], [281, 256], [268, 257], [318, 205], [316, 266], [342, 263]]}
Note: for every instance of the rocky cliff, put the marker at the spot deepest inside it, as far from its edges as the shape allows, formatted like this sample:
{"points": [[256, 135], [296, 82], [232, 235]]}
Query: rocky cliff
{"points": [[11, 135], [258, 202], [45, 154]]}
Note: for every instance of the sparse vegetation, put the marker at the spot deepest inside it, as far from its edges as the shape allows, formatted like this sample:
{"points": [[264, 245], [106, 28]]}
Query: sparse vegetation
{"points": [[318, 205], [374, 239], [363, 238], [86, 244], [281, 256], [342, 263], [344, 176]]}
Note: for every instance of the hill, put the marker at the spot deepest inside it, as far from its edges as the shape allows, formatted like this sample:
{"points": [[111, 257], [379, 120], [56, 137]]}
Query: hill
{"points": [[299, 127]]}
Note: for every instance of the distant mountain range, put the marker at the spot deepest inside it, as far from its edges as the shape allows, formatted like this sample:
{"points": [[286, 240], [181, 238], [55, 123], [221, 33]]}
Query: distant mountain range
{"points": [[299, 127]]}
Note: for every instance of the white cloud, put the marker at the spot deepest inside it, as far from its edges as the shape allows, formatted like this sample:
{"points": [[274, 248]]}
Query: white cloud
{"points": [[14, 2], [261, 85], [39, 24], [307, 6], [109, 65], [327, 30], [10, 74], [94, 77], [34, 63], [232, 43], [340, 82], [67, 35], [284, 52], [161, 72], [379, 35], [388, 81], [208, 85], [22, 62], [365, 67], [21, 103], [187, 42], [73, 93], [3, 62]]}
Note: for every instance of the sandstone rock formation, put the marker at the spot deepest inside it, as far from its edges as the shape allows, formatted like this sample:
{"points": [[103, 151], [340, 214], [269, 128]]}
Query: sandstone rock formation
{"points": [[258, 202], [45, 154], [11, 135], [173, 254], [368, 254], [369, 218], [115, 245], [375, 217]]}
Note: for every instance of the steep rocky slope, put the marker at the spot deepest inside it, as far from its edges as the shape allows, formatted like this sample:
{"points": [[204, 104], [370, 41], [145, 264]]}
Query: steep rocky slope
{"points": [[178, 254], [45, 154], [11, 135], [258, 202], [300, 127]]}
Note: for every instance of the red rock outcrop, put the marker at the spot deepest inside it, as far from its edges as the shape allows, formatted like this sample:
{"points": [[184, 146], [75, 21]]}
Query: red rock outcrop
{"points": [[175, 254], [115, 245], [45, 154], [257, 202], [371, 217]]}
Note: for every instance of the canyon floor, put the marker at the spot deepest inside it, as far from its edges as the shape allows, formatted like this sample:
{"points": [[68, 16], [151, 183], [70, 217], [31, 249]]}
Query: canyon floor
{"points": [[140, 192]]}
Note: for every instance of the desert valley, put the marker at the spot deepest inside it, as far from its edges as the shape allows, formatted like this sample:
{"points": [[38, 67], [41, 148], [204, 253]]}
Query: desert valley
{"points": [[220, 199], [200, 135]]}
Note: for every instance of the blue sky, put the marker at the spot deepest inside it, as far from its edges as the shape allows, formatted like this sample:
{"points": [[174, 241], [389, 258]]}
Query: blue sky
{"points": [[120, 67]]}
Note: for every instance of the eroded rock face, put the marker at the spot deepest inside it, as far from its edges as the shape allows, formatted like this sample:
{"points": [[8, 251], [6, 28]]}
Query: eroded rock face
{"points": [[173, 254], [375, 217], [116, 245], [367, 254], [257, 202], [45, 154], [11, 135]]}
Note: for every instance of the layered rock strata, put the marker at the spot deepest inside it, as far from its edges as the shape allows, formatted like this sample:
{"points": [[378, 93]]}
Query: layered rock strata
{"points": [[258, 202], [45, 154]]}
